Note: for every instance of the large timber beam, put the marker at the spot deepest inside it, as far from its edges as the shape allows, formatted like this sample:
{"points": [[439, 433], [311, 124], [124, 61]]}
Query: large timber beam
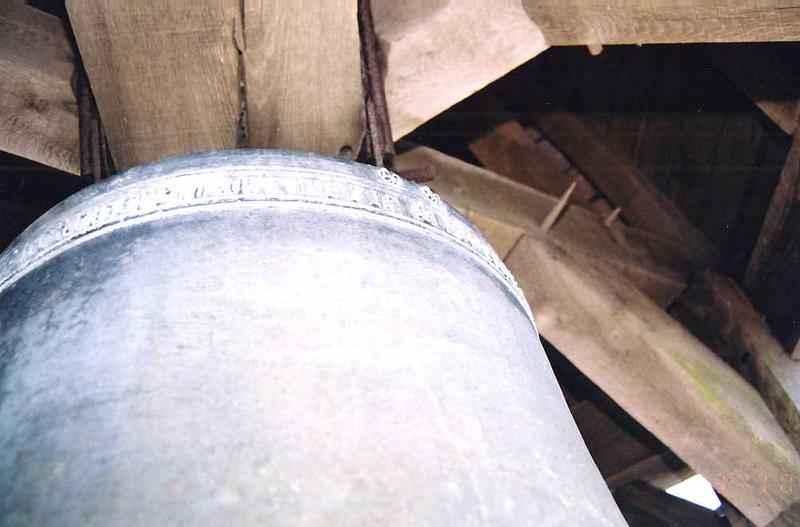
{"points": [[174, 77], [164, 74], [720, 314], [587, 22], [771, 276], [303, 75], [661, 375], [504, 210], [38, 113], [511, 151]]}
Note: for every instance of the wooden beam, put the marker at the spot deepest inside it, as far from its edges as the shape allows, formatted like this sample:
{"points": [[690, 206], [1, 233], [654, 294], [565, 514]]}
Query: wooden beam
{"points": [[303, 75], [38, 112], [773, 266], [720, 314], [509, 150], [653, 264], [164, 74], [661, 375], [767, 75], [439, 52], [586, 22], [641, 202]]}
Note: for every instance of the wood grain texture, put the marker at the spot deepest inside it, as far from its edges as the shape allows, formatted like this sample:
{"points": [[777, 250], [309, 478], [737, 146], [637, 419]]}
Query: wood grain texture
{"points": [[39, 115], [651, 263], [164, 74], [586, 22], [660, 374], [720, 314], [641, 202], [303, 70], [509, 150], [440, 52]]}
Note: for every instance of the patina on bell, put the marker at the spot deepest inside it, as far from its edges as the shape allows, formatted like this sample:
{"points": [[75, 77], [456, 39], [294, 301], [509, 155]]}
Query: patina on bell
{"points": [[258, 337]]}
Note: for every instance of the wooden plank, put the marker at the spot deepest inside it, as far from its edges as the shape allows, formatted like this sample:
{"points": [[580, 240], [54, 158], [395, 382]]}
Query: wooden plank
{"points": [[439, 52], [661, 375], [641, 202], [509, 150], [775, 260], [784, 199], [720, 314], [38, 112], [586, 22], [653, 264], [770, 76], [303, 70], [164, 74]]}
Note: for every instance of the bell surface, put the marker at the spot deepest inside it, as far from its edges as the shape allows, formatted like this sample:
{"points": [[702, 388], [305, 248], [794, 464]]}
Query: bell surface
{"points": [[270, 337]]}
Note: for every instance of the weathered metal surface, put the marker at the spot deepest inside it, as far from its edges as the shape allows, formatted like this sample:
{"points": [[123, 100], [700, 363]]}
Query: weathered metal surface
{"points": [[255, 337]]}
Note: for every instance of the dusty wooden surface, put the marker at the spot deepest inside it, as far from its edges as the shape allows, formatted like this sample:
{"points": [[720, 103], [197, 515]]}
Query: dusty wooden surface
{"points": [[720, 314], [651, 263], [439, 52], [38, 112], [303, 75], [164, 74], [587, 22], [509, 150], [660, 374]]}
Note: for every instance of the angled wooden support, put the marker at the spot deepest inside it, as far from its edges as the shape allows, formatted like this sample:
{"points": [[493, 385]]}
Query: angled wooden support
{"points": [[439, 52], [772, 271], [641, 202], [720, 314], [661, 375], [38, 111], [509, 209], [585, 22]]}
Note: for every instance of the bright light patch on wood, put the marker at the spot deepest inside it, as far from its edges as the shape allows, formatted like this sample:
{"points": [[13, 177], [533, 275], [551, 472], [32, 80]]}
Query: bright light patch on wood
{"points": [[698, 490]]}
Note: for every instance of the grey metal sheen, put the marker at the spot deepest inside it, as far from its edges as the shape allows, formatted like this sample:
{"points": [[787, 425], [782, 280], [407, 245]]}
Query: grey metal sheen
{"points": [[273, 338]]}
